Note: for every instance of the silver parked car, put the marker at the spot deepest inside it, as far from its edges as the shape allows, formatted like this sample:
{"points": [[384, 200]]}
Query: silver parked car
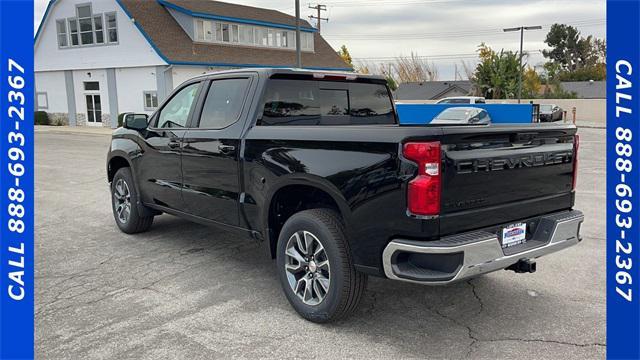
{"points": [[462, 115], [550, 112]]}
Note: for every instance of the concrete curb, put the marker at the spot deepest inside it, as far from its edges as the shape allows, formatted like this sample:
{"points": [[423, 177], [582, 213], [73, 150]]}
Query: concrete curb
{"points": [[73, 130]]}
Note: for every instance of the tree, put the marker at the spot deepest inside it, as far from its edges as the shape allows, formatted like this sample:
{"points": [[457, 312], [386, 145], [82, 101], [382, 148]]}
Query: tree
{"points": [[531, 83], [577, 58], [344, 54], [496, 76], [414, 69]]}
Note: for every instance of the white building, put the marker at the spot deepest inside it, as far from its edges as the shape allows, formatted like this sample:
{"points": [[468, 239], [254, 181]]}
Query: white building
{"points": [[95, 59]]}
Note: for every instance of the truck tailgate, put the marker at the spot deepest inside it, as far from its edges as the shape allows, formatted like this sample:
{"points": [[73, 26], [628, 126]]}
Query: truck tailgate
{"points": [[498, 174]]}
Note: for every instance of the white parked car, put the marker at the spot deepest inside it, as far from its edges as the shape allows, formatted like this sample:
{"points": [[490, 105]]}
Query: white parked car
{"points": [[462, 100], [460, 115]]}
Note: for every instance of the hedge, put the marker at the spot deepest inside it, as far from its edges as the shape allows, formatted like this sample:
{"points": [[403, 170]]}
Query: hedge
{"points": [[41, 118]]}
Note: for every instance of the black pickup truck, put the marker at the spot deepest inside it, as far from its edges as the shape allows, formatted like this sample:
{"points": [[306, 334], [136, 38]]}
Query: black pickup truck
{"points": [[315, 166]]}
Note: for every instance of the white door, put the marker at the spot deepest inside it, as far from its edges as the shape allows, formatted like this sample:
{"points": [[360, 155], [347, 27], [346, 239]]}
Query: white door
{"points": [[94, 105], [94, 109]]}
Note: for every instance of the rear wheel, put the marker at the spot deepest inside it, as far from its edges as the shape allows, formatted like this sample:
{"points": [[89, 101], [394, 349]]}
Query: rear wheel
{"points": [[123, 200], [315, 267]]}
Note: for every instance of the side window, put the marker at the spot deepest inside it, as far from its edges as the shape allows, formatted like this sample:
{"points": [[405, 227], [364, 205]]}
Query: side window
{"points": [[371, 104], [175, 113], [291, 102], [223, 104], [309, 102]]}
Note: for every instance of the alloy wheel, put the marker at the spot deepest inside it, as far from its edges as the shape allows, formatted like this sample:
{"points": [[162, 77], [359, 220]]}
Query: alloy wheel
{"points": [[307, 267], [122, 200]]}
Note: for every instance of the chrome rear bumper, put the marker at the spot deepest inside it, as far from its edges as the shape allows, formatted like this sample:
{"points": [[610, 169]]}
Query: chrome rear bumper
{"points": [[458, 257]]}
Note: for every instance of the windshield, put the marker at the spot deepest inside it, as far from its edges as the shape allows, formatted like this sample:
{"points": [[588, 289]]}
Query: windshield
{"points": [[457, 114], [455, 101], [546, 107]]}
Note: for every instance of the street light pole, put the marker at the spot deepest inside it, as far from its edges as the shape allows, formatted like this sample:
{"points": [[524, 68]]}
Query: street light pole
{"points": [[521, 29], [298, 45]]}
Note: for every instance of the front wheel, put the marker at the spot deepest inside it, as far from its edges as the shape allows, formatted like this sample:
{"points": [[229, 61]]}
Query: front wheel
{"points": [[315, 267], [125, 209]]}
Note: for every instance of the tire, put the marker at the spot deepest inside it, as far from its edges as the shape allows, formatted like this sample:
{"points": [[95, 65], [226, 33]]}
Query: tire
{"points": [[346, 285], [124, 204]]}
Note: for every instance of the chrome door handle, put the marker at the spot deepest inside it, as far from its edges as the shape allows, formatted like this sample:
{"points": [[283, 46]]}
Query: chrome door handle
{"points": [[226, 148]]}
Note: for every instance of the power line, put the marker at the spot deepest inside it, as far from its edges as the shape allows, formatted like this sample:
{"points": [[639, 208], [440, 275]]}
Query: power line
{"points": [[445, 34], [437, 57], [387, 2]]}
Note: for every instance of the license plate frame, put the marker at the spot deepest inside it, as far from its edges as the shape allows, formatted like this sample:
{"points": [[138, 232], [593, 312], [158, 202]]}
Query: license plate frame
{"points": [[513, 235]]}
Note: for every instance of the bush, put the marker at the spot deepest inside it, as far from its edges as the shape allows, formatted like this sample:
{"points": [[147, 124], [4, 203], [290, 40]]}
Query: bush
{"points": [[121, 120], [41, 118]]}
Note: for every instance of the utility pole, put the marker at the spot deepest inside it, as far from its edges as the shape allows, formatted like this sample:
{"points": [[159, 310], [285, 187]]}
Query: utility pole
{"points": [[521, 29], [318, 17], [298, 45]]}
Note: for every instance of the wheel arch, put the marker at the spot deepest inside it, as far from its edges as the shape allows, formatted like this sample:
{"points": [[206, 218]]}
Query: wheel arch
{"points": [[117, 160], [297, 193]]}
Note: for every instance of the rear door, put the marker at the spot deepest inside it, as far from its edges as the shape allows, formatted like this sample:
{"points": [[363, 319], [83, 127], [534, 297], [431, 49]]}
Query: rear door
{"points": [[498, 174], [211, 148]]}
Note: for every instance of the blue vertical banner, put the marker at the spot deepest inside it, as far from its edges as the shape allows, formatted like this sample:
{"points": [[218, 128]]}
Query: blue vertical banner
{"points": [[623, 180], [16, 180]]}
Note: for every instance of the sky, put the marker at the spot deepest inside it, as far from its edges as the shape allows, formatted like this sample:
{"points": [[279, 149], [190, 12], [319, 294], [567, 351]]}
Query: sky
{"points": [[445, 32]]}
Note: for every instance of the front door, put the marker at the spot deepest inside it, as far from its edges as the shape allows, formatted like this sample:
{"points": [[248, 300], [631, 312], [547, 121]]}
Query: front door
{"points": [[93, 102], [211, 149], [160, 170]]}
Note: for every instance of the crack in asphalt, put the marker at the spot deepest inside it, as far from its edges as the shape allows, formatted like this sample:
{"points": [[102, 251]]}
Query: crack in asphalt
{"points": [[477, 296], [475, 340]]}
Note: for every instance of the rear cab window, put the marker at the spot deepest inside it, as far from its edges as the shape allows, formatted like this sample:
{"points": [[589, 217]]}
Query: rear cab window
{"points": [[323, 102]]}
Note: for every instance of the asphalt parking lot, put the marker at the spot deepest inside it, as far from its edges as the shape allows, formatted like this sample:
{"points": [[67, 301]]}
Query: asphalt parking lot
{"points": [[186, 291]]}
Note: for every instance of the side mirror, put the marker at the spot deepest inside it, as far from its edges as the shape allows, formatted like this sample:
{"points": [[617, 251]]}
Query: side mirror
{"points": [[136, 121]]}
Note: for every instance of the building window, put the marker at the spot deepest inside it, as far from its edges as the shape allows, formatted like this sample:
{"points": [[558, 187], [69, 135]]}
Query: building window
{"points": [[234, 33], [97, 26], [73, 31], [83, 11], [42, 100], [270, 39], [87, 28], [91, 86], [85, 21], [150, 100], [61, 29], [112, 27], [307, 41], [225, 32], [208, 31], [220, 32]]}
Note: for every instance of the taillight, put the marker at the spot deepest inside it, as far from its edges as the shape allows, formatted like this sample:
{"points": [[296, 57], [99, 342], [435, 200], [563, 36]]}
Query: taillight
{"points": [[423, 196], [576, 144]]}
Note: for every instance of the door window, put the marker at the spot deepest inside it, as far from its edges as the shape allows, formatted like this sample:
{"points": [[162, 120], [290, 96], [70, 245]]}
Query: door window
{"points": [[224, 103], [176, 112], [94, 108]]}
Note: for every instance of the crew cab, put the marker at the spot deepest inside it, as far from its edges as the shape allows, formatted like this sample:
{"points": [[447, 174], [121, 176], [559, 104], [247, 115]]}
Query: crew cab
{"points": [[315, 166]]}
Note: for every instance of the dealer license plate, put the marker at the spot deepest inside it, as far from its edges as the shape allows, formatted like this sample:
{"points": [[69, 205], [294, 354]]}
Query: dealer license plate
{"points": [[514, 234]]}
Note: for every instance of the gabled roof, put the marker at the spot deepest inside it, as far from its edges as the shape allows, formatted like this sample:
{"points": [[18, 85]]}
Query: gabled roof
{"points": [[431, 90], [235, 12], [176, 47]]}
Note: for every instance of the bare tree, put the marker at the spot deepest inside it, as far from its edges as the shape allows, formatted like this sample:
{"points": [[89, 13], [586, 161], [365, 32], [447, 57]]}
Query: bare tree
{"points": [[414, 69], [468, 68]]}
